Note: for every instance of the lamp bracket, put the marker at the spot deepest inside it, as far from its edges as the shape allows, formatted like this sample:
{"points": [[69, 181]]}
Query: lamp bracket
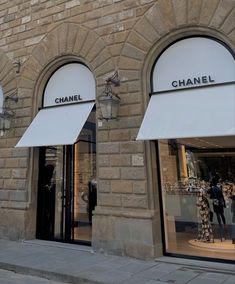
{"points": [[6, 114], [17, 65], [12, 97], [114, 79]]}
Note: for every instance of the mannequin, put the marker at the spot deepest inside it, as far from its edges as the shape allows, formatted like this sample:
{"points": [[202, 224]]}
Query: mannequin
{"points": [[205, 229], [216, 195], [49, 201]]}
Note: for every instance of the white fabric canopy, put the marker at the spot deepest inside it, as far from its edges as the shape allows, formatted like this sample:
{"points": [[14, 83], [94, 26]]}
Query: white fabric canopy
{"points": [[199, 112], [73, 79], [193, 57], [56, 126]]}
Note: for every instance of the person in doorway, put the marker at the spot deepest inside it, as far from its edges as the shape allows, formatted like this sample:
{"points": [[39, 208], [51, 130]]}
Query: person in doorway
{"points": [[92, 198], [218, 201], [49, 201]]}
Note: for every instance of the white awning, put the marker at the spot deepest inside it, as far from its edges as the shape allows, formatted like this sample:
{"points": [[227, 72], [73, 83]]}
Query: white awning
{"points": [[198, 112], [56, 125]]}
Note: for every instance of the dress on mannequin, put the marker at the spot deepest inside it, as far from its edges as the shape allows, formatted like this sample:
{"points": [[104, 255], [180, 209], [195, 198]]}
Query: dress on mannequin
{"points": [[205, 230]]}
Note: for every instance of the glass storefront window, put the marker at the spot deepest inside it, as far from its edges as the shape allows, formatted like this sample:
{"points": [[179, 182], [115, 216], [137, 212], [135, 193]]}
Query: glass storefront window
{"points": [[85, 188], [198, 193]]}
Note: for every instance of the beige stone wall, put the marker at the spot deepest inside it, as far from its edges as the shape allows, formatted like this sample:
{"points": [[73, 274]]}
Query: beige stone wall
{"points": [[107, 35]]}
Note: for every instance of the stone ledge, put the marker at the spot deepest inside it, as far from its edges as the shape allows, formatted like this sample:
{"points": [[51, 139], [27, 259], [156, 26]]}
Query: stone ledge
{"points": [[150, 214]]}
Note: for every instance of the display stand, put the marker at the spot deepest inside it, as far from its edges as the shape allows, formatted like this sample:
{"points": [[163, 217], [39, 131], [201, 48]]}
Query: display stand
{"points": [[226, 246]]}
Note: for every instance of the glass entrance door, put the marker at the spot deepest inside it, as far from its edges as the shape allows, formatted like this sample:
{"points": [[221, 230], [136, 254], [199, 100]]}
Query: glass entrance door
{"points": [[51, 193], [67, 188]]}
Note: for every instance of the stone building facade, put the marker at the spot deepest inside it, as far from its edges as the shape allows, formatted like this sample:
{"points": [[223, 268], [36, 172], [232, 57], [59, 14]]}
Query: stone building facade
{"points": [[105, 35]]}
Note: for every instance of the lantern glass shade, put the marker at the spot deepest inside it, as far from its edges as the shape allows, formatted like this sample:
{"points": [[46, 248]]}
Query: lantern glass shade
{"points": [[5, 121], [109, 105]]}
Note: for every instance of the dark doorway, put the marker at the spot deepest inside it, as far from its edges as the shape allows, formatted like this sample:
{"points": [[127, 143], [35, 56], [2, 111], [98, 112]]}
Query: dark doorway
{"points": [[67, 188]]}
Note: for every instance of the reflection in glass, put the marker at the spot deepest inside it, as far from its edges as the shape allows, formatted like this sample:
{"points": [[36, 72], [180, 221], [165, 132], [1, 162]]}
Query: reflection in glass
{"points": [[50, 192], [198, 192], [84, 181]]}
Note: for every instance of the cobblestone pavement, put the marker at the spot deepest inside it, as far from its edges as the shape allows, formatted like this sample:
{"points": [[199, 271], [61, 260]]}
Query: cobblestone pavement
{"points": [[9, 277]]}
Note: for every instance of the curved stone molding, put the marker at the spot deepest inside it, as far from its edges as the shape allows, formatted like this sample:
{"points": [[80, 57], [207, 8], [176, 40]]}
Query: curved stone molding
{"points": [[72, 40], [167, 16], [7, 74], [65, 43]]}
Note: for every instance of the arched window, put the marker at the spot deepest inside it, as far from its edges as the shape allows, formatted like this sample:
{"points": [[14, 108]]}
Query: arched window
{"points": [[192, 115], [192, 80], [65, 130], [68, 100]]}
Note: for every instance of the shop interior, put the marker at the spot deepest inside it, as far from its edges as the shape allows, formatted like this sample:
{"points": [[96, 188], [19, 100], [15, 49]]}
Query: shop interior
{"points": [[198, 194]]}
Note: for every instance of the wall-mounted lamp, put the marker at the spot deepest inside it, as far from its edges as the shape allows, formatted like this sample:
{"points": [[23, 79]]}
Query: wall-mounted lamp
{"points": [[6, 115], [17, 65], [5, 121], [109, 101]]}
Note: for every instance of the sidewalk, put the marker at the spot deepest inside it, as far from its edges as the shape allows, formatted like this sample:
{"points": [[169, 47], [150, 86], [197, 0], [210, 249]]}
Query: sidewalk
{"points": [[79, 264]]}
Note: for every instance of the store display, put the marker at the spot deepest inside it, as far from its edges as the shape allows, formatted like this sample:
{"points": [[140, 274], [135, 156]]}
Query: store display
{"points": [[205, 229], [198, 191]]}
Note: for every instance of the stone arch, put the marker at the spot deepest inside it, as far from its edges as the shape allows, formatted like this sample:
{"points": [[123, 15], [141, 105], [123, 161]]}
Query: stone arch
{"points": [[67, 42], [174, 19], [8, 76], [165, 22]]}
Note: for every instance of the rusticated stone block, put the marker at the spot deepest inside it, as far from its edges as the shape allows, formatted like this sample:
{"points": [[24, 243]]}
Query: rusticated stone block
{"points": [[15, 184], [5, 173], [4, 195], [129, 63], [139, 187], [223, 10], [103, 136], [194, 8], [132, 147], [104, 160], [138, 41], [133, 173], [109, 173], [121, 186], [180, 11], [133, 201], [109, 199], [207, 10], [133, 52], [12, 224], [120, 160], [104, 186], [108, 148], [18, 195], [119, 135], [19, 173]]}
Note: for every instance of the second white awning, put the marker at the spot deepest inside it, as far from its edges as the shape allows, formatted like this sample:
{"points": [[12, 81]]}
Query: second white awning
{"points": [[56, 125], [199, 112]]}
